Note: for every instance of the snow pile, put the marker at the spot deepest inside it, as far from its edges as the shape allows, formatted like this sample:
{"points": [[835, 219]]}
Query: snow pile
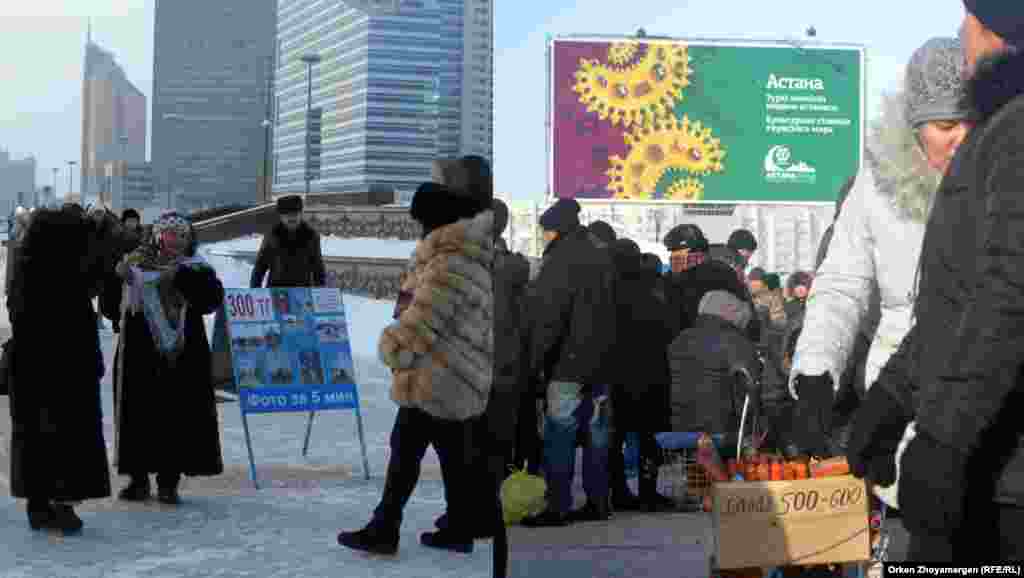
{"points": [[331, 246], [366, 317]]}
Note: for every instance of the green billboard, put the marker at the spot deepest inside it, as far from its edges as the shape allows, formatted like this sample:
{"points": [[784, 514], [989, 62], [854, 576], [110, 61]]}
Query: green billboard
{"points": [[664, 120]]}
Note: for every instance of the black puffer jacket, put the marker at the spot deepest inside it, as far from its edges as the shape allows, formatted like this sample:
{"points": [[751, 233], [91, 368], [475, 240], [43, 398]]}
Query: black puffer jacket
{"points": [[572, 310], [292, 259], [965, 352], [705, 395]]}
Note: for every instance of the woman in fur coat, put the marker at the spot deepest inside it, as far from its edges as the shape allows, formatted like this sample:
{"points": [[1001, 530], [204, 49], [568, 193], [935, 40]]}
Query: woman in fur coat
{"points": [[58, 452], [440, 350], [163, 379]]}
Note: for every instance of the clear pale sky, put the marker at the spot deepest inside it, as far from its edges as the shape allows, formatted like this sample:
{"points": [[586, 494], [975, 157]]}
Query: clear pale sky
{"points": [[41, 43]]}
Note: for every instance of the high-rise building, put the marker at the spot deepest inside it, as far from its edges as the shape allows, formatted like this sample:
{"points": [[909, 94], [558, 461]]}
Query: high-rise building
{"points": [[17, 182], [400, 83], [113, 119], [130, 185], [212, 67]]}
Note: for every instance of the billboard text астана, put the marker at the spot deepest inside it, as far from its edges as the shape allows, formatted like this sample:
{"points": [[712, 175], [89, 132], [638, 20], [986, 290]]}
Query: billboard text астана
{"points": [[673, 121]]}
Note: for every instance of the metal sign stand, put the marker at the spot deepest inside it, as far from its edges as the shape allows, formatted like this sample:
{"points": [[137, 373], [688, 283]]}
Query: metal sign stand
{"points": [[359, 431]]}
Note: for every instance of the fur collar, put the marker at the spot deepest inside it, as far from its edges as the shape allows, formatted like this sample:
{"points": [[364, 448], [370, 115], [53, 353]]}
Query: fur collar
{"points": [[997, 80], [898, 167]]}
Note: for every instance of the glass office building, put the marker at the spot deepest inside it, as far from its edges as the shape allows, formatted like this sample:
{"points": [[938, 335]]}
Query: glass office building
{"points": [[392, 84], [212, 83]]}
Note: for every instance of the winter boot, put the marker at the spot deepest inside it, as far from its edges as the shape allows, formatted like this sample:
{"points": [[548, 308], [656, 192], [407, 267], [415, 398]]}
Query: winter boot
{"points": [[447, 540], [546, 519], [40, 513], [137, 490], [441, 523], [623, 500], [65, 519], [649, 496], [167, 489], [375, 538], [591, 512]]}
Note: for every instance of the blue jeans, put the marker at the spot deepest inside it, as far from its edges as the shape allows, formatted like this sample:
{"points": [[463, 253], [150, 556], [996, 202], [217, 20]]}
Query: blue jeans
{"points": [[572, 410]]}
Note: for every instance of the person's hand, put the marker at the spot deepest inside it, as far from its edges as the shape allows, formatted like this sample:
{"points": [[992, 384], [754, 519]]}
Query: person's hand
{"points": [[878, 427], [932, 488], [812, 415]]}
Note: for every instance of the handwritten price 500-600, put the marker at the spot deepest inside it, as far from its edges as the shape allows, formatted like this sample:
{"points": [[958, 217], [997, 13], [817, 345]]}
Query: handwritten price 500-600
{"points": [[246, 306]]}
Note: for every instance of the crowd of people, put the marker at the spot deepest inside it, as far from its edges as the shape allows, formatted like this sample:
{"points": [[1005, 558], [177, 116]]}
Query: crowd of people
{"points": [[901, 350]]}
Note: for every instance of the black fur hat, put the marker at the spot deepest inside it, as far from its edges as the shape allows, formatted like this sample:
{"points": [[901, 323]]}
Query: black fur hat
{"points": [[289, 204], [563, 216], [1004, 17], [686, 237], [602, 231], [130, 214], [435, 205]]}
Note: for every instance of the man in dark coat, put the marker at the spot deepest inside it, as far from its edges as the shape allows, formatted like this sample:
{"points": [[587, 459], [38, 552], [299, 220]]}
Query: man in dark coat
{"points": [[58, 453], [602, 233], [150, 437], [694, 274], [744, 243], [705, 360], [573, 336], [291, 253], [640, 390], [961, 476]]}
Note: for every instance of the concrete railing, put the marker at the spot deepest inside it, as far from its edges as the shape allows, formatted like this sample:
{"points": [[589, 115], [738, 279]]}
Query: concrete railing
{"points": [[374, 277]]}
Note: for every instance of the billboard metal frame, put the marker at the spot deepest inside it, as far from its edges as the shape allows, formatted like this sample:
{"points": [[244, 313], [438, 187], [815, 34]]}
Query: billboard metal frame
{"points": [[798, 45]]}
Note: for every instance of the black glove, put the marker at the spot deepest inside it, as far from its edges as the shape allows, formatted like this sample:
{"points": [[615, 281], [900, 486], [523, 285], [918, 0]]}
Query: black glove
{"points": [[878, 427], [933, 487], [812, 415]]}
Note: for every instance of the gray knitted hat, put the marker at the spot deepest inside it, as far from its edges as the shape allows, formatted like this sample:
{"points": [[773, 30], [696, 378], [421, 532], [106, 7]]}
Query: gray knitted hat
{"points": [[726, 306], [934, 82]]}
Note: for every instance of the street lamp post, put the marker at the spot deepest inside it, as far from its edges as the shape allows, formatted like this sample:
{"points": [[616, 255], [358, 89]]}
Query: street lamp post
{"points": [[71, 172], [310, 60], [267, 180], [55, 171]]}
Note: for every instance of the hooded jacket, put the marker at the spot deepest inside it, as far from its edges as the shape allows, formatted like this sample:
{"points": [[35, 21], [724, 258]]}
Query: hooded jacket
{"points": [[865, 285]]}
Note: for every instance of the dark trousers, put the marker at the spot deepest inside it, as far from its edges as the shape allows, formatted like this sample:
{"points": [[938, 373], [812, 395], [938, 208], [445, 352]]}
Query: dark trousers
{"points": [[650, 459], [988, 537], [413, 432], [529, 450]]}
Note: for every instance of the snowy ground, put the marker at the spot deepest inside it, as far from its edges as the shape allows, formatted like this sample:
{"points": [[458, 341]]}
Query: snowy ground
{"points": [[331, 246]]}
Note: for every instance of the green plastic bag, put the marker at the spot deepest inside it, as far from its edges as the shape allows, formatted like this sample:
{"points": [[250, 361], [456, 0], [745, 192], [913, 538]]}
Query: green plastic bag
{"points": [[522, 495]]}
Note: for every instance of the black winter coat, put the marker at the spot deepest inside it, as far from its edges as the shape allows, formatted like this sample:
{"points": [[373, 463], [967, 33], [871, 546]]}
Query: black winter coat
{"points": [[686, 289], [573, 312], [292, 259], [166, 415], [641, 402], [705, 395], [966, 353], [58, 449], [511, 352]]}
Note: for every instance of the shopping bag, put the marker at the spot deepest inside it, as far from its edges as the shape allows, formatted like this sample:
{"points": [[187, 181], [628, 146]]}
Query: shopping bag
{"points": [[522, 495]]}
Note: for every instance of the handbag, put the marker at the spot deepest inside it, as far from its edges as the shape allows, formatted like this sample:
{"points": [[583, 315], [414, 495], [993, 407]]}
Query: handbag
{"points": [[6, 366]]}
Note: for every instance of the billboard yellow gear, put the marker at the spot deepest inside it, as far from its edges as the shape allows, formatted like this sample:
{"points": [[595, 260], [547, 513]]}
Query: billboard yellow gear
{"points": [[640, 83], [667, 145], [685, 189]]}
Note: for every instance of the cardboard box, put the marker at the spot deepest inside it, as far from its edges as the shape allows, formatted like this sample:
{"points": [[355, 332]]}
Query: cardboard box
{"points": [[800, 522]]}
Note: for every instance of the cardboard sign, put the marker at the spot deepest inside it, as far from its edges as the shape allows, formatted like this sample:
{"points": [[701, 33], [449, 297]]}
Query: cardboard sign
{"points": [[801, 522]]}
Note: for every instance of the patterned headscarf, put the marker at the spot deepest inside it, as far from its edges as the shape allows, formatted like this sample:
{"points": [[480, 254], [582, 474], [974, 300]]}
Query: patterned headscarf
{"points": [[934, 82]]}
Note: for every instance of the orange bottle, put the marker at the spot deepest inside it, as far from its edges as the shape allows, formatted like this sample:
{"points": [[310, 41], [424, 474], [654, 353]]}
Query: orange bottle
{"points": [[801, 471], [777, 474], [789, 471], [764, 470]]}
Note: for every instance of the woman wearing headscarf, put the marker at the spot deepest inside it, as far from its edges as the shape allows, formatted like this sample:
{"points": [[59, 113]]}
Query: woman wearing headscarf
{"points": [[874, 251], [58, 452], [165, 410]]}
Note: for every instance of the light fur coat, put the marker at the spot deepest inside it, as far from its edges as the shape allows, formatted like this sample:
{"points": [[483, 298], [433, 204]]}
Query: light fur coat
{"points": [[441, 348]]}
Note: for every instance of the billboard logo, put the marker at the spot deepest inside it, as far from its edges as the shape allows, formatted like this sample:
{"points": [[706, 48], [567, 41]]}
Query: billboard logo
{"points": [[779, 167]]}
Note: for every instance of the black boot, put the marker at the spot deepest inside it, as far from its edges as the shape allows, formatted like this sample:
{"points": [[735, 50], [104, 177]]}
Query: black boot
{"points": [[591, 512], [375, 538], [137, 490], [546, 519], [447, 540], [40, 513], [623, 500], [65, 519], [441, 523], [167, 492]]}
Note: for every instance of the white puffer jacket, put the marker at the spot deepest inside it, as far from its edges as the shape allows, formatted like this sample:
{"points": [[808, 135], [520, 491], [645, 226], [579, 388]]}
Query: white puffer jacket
{"points": [[871, 265]]}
